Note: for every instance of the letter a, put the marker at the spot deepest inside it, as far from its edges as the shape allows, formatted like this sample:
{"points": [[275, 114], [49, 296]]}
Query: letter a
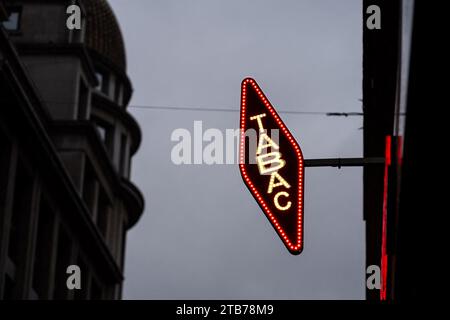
{"points": [[374, 21], [374, 280], [74, 20], [74, 280], [270, 144], [181, 152], [281, 182]]}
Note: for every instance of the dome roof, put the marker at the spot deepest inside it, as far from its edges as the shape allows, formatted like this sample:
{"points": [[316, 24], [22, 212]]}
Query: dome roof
{"points": [[103, 34]]}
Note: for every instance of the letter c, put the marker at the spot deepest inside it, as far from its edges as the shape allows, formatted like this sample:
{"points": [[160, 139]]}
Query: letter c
{"points": [[275, 200]]}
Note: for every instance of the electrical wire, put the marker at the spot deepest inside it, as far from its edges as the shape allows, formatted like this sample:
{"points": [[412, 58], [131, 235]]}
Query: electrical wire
{"points": [[186, 108], [206, 109]]}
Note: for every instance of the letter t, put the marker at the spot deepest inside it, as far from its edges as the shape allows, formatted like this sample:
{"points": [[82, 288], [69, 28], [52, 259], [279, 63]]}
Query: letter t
{"points": [[258, 118]]}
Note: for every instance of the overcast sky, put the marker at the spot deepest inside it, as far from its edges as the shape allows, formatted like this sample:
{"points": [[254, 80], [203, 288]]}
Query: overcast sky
{"points": [[202, 235]]}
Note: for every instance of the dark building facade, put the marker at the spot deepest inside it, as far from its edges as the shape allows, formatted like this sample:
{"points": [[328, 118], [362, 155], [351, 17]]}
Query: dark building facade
{"points": [[66, 143], [400, 197]]}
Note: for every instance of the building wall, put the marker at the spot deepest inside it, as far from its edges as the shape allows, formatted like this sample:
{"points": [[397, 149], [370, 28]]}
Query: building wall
{"points": [[42, 231], [400, 97], [66, 146], [56, 78], [380, 63]]}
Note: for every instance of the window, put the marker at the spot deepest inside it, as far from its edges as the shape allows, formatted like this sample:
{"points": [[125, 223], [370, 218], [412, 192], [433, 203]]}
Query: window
{"points": [[13, 22], [103, 81], [123, 154], [101, 131], [83, 101], [23, 193], [119, 239], [106, 133], [90, 190], [43, 251], [103, 214], [118, 92], [5, 154], [99, 77], [122, 246], [64, 253], [83, 294]]}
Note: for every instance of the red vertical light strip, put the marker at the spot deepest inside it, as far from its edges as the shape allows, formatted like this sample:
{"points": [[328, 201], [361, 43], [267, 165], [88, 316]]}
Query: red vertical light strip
{"points": [[384, 257]]}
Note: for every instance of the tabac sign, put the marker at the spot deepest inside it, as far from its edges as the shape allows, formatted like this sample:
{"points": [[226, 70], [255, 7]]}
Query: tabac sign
{"points": [[272, 167]]}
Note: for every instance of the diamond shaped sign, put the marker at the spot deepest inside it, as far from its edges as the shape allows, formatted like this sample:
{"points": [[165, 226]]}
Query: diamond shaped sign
{"points": [[272, 165]]}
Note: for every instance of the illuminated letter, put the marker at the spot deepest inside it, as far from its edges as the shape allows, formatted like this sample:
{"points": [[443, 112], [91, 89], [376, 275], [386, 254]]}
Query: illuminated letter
{"points": [[265, 166], [275, 201], [258, 118], [281, 182], [270, 144]]}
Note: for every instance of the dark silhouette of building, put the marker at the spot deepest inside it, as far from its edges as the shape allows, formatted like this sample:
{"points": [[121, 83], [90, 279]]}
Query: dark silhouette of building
{"points": [[66, 142], [380, 65], [400, 197]]}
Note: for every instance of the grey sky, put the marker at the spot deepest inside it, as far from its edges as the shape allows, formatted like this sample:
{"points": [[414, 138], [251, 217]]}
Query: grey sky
{"points": [[202, 234]]}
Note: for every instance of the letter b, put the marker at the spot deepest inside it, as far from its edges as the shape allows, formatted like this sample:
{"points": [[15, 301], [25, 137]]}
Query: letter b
{"points": [[270, 162]]}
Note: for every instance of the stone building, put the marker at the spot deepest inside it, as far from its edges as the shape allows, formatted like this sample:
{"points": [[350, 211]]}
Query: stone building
{"points": [[66, 143]]}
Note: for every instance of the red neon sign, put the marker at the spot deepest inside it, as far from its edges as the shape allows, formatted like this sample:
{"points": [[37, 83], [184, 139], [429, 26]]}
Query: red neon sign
{"points": [[274, 172], [384, 256]]}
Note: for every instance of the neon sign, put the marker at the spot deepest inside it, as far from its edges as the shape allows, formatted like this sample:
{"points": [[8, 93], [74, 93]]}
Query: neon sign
{"points": [[274, 172]]}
